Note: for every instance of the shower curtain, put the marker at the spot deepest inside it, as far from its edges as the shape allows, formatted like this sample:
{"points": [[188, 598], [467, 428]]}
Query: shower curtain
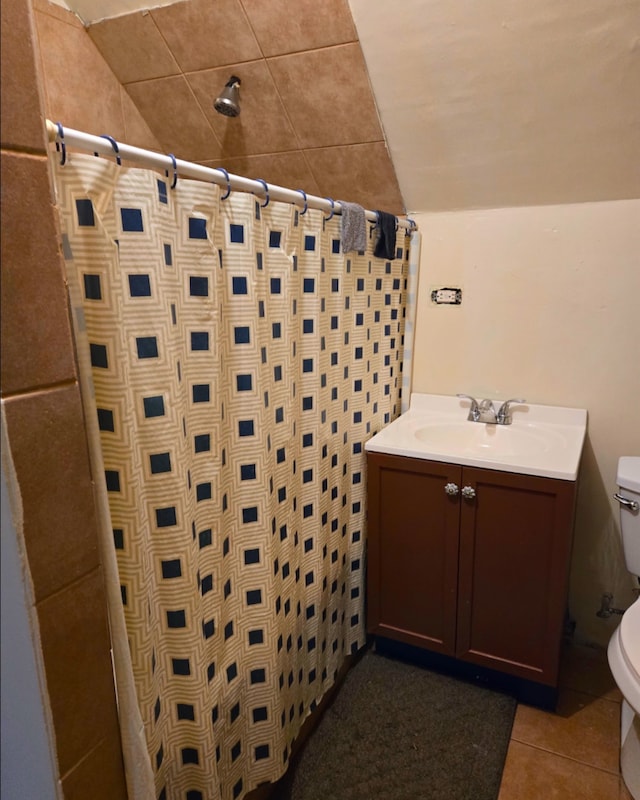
{"points": [[239, 361]]}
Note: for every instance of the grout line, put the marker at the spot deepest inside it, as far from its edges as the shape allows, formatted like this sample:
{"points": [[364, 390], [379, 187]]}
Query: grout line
{"points": [[81, 760], [543, 749], [39, 389], [251, 28], [58, 17], [21, 150], [348, 144], [301, 150], [284, 107], [166, 44], [96, 569]]}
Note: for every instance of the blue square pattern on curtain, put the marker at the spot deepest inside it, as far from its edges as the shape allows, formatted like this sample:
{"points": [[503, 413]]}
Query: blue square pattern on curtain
{"points": [[250, 362]]}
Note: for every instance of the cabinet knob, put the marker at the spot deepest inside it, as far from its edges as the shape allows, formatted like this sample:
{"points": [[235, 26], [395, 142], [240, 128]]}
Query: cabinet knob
{"points": [[469, 492], [451, 489]]}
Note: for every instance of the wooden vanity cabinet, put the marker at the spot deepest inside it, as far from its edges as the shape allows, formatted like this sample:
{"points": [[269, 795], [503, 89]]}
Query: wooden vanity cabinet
{"points": [[482, 579]]}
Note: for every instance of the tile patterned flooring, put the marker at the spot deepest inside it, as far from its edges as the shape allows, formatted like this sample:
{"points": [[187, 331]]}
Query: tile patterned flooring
{"points": [[572, 754]]}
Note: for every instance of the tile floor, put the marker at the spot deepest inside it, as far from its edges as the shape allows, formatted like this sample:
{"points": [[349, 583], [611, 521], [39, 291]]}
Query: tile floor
{"points": [[571, 754]]}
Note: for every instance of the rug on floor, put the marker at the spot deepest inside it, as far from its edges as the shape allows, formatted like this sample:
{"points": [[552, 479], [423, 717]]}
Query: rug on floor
{"points": [[396, 731]]}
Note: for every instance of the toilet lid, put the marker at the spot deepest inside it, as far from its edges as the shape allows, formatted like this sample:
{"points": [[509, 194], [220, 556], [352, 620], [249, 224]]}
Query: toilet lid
{"points": [[630, 637]]}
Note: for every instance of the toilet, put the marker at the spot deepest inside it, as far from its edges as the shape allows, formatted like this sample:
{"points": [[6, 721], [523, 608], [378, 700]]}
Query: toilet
{"points": [[624, 646]]}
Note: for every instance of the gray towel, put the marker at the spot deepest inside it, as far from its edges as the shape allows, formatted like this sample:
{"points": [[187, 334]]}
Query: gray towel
{"points": [[354, 227]]}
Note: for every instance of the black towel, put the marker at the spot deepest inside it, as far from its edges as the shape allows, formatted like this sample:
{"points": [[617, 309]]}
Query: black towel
{"points": [[386, 244]]}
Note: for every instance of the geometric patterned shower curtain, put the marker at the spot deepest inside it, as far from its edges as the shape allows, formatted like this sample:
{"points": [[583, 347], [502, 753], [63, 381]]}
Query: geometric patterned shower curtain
{"points": [[240, 361]]}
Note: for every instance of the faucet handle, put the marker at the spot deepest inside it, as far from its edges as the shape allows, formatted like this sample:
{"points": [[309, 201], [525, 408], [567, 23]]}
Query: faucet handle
{"points": [[474, 411], [504, 413]]}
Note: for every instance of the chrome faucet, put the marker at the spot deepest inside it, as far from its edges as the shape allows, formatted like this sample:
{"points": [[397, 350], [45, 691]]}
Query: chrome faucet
{"points": [[504, 413], [484, 411]]}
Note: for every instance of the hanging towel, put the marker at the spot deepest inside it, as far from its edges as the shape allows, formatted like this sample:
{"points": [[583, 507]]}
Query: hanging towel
{"points": [[354, 227], [386, 244]]}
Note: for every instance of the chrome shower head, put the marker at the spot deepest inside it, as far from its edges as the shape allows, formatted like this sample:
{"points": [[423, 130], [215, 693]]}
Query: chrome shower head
{"points": [[228, 103]]}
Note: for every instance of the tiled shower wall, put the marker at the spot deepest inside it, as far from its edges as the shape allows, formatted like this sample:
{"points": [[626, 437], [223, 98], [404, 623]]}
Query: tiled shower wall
{"points": [[79, 88], [308, 118], [41, 399]]}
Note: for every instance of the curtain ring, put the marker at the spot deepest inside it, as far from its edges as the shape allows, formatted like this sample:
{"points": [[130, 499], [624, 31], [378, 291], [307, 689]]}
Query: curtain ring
{"points": [[116, 149], [333, 209], [226, 175], [266, 192], [175, 170], [306, 205], [61, 147]]}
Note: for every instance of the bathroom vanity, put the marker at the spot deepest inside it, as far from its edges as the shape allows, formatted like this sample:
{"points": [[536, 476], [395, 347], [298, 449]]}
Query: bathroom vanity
{"points": [[468, 554]]}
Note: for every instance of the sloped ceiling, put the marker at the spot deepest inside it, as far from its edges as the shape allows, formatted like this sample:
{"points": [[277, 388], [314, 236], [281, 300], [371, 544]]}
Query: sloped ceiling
{"points": [[482, 104], [507, 102]]}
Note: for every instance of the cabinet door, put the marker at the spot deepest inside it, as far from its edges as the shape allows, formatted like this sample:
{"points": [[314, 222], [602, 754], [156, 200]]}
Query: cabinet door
{"points": [[412, 561], [515, 544]]}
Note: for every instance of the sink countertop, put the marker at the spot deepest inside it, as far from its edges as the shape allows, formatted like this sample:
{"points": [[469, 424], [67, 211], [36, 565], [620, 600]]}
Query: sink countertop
{"points": [[542, 440]]}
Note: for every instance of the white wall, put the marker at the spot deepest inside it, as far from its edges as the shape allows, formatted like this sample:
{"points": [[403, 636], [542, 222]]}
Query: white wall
{"points": [[496, 104], [550, 312]]}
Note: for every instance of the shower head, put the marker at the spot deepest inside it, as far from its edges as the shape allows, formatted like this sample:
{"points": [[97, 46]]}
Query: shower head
{"points": [[228, 103]]}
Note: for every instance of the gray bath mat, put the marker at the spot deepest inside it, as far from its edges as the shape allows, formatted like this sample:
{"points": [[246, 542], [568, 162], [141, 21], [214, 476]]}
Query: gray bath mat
{"points": [[400, 732]]}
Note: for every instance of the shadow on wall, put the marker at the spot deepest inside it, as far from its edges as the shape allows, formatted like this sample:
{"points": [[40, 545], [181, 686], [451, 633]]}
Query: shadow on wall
{"points": [[598, 548]]}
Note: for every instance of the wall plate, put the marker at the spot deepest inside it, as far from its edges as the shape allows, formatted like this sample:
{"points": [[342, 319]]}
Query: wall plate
{"points": [[447, 296]]}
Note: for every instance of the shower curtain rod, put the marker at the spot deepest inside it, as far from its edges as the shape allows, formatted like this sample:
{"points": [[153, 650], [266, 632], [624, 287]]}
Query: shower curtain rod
{"points": [[172, 166]]}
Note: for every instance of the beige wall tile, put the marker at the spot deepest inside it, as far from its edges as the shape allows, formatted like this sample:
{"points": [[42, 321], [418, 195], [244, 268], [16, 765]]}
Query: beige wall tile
{"points": [[583, 728], [279, 29], [81, 90], [137, 131], [46, 428], [21, 122], [99, 776], [75, 646], [327, 96], [202, 34], [262, 126], [283, 169], [358, 173], [533, 774], [57, 11], [314, 99], [172, 113], [56, 489], [134, 47], [37, 347]]}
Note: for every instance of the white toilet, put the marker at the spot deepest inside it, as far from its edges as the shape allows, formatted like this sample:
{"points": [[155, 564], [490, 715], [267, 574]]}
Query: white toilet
{"points": [[624, 647]]}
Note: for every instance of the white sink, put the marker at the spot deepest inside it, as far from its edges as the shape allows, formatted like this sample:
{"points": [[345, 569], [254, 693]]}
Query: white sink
{"points": [[542, 440], [481, 439]]}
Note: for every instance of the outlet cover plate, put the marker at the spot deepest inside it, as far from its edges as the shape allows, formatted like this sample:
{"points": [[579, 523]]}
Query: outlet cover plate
{"points": [[447, 296]]}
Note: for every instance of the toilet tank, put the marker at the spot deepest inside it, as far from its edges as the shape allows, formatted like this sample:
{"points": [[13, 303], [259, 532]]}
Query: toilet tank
{"points": [[629, 482]]}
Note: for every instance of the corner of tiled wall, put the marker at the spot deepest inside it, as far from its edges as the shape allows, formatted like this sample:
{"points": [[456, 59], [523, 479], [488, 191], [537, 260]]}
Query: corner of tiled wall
{"points": [[80, 89], [47, 439]]}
